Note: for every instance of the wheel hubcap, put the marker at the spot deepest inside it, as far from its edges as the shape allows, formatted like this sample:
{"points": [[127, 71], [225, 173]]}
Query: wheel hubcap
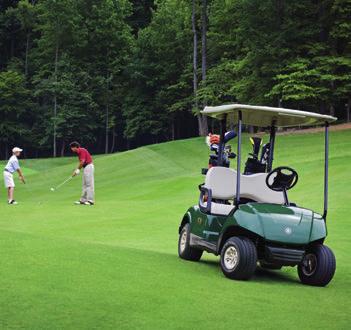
{"points": [[231, 257], [183, 241], [309, 264]]}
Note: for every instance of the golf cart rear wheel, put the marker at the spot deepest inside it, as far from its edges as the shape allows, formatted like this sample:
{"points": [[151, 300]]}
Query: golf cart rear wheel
{"points": [[318, 266], [185, 251], [238, 258]]}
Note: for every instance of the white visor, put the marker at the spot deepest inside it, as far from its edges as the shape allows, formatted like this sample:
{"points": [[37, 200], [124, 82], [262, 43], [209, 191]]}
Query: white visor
{"points": [[16, 149]]}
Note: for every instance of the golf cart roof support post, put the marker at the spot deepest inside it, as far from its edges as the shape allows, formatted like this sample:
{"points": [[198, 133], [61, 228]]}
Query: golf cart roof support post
{"points": [[271, 148], [238, 159], [223, 126], [326, 168]]}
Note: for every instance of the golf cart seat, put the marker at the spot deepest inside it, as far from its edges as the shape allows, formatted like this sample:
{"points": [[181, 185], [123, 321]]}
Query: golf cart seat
{"points": [[220, 187]]}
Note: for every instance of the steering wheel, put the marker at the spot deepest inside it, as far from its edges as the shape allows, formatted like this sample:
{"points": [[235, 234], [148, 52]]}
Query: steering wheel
{"points": [[284, 178]]}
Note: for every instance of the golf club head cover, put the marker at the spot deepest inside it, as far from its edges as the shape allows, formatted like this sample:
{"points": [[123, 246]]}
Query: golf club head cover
{"points": [[256, 145], [214, 138]]}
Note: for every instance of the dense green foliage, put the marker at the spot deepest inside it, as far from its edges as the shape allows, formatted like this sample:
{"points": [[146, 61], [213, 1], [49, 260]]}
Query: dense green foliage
{"points": [[116, 74], [115, 265]]}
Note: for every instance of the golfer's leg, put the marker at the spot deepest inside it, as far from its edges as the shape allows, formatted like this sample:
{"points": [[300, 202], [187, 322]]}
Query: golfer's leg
{"points": [[84, 188], [10, 193], [90, 183]]}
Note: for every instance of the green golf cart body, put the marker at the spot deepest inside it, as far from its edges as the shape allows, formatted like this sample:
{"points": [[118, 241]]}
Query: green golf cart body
{"points": [[248, 219]]}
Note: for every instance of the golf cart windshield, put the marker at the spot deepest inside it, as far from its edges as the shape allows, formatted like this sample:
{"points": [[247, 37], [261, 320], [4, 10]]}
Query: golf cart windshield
{"points": [[267, 116]]}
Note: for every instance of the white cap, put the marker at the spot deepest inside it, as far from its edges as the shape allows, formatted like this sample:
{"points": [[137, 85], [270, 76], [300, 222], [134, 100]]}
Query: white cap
{"points": [[16, 149]]}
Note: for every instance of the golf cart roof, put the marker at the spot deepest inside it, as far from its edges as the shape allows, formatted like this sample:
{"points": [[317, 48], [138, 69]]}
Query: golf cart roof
{"points": [[262, 116]]}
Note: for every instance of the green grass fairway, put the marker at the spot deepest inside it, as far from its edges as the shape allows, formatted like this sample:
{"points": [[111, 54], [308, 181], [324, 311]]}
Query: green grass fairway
{"points": [[115, 265]]}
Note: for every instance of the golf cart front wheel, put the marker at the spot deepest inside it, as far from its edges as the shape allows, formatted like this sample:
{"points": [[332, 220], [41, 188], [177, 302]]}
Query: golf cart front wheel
{"points": [[185, 251], [317, 268], [238, 258]]}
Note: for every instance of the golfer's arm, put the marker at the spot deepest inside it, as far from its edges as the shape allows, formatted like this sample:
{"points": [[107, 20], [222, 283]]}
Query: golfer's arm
{"points": [[80, 165], [20, 173]]}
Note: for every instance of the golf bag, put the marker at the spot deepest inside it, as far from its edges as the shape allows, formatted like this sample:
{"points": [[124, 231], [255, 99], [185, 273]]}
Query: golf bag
{"points": [[222, 153], [254, 163]]}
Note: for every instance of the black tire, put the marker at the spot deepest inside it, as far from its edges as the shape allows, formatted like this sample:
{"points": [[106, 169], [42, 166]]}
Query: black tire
{"points": [[245, 262], [318, 266], [185, 251]]}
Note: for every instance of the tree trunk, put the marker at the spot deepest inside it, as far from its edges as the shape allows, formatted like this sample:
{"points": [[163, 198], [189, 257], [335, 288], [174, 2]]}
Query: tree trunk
{"points": [[195, 81], [348, 109], [26, 56], [173, 130], [106, 128], [204, 41], [204, 57], [107, 113], [55, 98], [331, 110], [113, 141], [63, 148]]}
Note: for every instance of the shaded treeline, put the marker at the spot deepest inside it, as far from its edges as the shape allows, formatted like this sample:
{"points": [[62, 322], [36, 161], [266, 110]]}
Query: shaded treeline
{"points": [[116, 74]]}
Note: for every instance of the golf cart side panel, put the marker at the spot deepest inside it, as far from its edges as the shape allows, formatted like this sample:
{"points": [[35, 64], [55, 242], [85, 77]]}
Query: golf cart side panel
{"points": [[205, 226], [187, 218], [196, 219], [277, 223], [319, 228]]}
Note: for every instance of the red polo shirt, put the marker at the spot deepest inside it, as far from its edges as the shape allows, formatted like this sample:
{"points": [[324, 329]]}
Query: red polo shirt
{"points": [[84, 156]]}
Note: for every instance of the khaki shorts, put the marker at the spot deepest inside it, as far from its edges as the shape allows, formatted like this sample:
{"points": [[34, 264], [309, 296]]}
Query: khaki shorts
{"points": [[8, 179]]}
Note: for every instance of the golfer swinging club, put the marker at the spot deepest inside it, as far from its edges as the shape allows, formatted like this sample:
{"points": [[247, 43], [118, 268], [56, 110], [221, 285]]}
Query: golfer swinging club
{"points": [[12, 167], [85, 162]]}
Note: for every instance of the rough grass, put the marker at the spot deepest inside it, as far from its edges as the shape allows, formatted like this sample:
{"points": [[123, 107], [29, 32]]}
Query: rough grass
{"points": [[115, 265]]}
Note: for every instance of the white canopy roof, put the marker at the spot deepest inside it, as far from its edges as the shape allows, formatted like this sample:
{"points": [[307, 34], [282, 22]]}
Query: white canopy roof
{"points": [[267, 116]]}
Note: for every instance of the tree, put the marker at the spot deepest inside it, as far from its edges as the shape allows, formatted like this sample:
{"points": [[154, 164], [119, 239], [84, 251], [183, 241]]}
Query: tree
{"points": [[204, 19], [108, 50], [26, 14], [159, 95], [61, 30], [341, 34], [15, 103]]}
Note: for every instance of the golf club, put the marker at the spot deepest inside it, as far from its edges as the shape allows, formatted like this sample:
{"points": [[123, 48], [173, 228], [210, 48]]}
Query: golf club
{"points": [[61, 184]]}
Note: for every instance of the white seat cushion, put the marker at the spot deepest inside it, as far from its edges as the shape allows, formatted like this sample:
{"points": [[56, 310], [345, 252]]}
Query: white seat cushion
{"points": [[254, 187], [222, 182], [221, 209]]}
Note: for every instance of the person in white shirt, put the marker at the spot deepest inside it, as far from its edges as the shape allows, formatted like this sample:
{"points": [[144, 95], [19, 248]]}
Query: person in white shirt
{"points": [[12, 167]]}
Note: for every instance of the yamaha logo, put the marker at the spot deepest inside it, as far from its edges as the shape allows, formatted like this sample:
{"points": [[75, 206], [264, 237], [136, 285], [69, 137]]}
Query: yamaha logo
{"points": [[288, 230]]}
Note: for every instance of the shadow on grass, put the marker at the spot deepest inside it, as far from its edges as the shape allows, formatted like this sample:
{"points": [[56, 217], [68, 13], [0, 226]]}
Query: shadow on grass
{"points": [[261, 275], [266, 275]]}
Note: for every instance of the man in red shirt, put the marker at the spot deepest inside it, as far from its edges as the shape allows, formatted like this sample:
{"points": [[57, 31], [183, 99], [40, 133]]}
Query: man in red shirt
{"points": [[85, 163]]}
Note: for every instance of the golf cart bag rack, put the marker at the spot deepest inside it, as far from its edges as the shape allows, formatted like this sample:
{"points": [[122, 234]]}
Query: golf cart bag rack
{"points": [[283, 256], [253, 166], [222, 153], [255, 163]]}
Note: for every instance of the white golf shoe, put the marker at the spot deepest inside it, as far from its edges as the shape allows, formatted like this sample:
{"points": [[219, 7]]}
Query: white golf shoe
{"points": [[81, 203]]}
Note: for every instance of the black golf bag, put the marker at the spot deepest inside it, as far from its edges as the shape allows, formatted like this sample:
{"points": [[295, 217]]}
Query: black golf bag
{"points": [[254, 163]]}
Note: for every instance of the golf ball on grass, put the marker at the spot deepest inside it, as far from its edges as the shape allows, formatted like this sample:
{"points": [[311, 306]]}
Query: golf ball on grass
{"points": [[52, 189]]}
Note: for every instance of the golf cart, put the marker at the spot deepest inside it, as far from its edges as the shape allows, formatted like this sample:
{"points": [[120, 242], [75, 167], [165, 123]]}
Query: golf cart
{"points": [[247, 217]]}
